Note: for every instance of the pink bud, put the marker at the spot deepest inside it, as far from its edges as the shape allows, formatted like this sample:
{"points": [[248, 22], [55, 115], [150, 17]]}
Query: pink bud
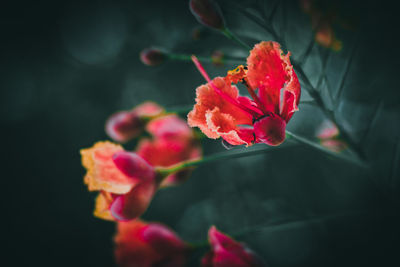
{"points": [[162, 238], [270, 130], [123, 126], [134, 204], [134, 166], [208, 13], [226, 252], [152, 57]]}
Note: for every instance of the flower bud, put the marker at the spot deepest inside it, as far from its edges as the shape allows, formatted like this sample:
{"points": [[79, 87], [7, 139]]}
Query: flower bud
{"points": [[226, 252], [270, 130], [123, 126], [208, 13], [152, 57], [134, 166], [138, 243], [162, 238], [134, 204]]}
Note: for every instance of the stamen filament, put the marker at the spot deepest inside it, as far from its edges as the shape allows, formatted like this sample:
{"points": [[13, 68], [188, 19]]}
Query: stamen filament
{"points": [[219, 92]]}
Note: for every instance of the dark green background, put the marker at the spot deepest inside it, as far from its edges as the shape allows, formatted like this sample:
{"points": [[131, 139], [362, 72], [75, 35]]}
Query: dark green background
{"points": [[66, 66]]}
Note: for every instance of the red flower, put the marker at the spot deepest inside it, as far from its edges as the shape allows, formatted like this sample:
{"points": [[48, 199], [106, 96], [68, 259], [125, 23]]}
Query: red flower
{"points": [[226, 252], [275, 90], [173, 142], [148, 244], [126, 181], [125, 125]]}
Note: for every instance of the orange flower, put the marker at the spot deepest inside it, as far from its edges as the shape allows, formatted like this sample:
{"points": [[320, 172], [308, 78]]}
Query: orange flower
{"points": [[126, 181]]}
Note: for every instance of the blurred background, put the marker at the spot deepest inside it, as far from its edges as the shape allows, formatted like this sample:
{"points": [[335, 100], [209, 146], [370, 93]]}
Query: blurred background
{"points": [[66, 66]]}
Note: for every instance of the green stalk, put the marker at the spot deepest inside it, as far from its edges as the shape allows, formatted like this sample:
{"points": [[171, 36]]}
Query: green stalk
{"points": [[233, 37]]}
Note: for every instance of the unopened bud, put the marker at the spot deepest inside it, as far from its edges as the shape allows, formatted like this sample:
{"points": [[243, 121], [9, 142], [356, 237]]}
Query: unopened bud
{"points": [[208, 13], [152, 57]]}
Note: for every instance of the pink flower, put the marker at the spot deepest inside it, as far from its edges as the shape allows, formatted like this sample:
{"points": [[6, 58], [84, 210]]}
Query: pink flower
{"points": [[173, 142], [275, 93], [226, 252], [142, 244], [125, 125]]}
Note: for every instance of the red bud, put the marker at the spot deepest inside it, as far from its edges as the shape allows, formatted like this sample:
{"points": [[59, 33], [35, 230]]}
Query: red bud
{"points": [[134, 166], [132, 205], [270, 130], [208, 13], [152, 57], [123, 126]]}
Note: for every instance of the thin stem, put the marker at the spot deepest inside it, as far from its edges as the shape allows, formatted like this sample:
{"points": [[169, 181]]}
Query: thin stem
{"points": [[232, 154], [318, 147], [240, 153], [233, 37], [185, 57]]}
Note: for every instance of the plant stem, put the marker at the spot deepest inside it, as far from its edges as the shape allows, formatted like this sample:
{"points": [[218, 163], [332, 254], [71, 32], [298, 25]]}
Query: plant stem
{"points": [[233, 37], [246, 152], [236, 153], [185, 57]]}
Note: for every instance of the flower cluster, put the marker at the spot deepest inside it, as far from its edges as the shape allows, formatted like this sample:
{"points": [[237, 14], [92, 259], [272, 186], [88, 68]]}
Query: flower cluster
{"points": [[153, 244], [127, 181], [275, 94]]}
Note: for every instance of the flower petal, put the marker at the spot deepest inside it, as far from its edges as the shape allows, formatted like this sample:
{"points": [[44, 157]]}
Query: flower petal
{"points": [[102, 174], [169, 127], [225, 126], [133, 204], [270, 71], [134, 166], [162, 238], [102, 206], [207, 100], [270, 130]]}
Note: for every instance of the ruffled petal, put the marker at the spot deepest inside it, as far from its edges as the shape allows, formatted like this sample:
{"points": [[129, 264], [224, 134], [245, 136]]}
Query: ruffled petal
{"points": [[102, 206], [270, 71], [225, 126], [102, 174], [207, 100]]}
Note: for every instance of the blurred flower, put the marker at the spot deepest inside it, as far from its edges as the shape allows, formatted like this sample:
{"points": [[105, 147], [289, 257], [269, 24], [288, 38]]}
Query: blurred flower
{"points": [[208, 13], [226, 252], [126, 181], [152, 56], [322, 25], [125, 125], [328, 134], [173, 142], [217, 58], [221, 112], [142, 244]]}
